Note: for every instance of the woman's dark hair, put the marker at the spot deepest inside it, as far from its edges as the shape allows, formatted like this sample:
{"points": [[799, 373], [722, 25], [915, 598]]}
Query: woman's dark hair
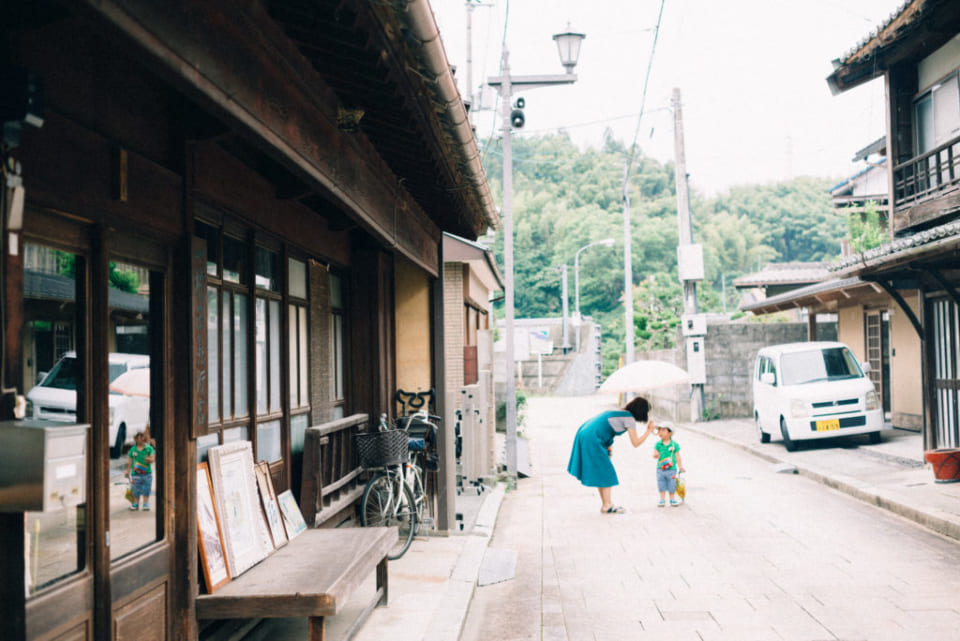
{"points": [[640, 408]]}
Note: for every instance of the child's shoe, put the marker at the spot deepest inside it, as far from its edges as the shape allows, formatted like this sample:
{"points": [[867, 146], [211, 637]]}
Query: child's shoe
{"points": [[134, 507], [674, 502], [146, 507], [661, 503]]}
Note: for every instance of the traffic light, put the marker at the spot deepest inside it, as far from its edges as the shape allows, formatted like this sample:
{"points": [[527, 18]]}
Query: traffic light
{"points": [[516, 116]]}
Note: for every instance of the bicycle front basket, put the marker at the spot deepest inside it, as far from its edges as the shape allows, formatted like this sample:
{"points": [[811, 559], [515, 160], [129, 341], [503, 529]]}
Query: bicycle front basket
{"points": [[377, 449]]}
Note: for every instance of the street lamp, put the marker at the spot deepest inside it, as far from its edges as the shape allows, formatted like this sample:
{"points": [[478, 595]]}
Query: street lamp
{"points": [[568, 44], [606, 242]]}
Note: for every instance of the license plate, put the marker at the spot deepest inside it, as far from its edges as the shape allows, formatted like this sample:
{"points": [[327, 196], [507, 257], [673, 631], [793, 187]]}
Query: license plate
{"points": [[829, 425]]}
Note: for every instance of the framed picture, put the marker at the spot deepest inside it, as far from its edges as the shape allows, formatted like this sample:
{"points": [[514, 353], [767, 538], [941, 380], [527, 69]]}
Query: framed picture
{"points": [[268, 500], [245, 536], [209, 537], [292, 517]]}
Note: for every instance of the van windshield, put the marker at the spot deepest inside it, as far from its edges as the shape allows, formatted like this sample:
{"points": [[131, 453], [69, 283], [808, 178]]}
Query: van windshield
{"points": [[63, 375], [830, 364]]}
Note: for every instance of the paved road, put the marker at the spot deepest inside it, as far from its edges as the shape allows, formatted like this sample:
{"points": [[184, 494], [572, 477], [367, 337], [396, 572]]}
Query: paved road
{"points": [[753, 555]]}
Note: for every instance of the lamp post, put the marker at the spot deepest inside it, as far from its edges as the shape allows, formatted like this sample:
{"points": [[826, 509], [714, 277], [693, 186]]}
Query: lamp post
{"points": [[606, 242], [568, 46]]}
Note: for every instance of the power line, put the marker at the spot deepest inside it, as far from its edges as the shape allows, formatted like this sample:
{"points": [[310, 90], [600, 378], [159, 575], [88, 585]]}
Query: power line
{"points": [[646, 82], [496, 104]]}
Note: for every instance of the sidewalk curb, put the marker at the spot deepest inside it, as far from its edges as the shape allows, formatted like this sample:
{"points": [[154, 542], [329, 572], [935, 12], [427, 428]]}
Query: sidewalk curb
{"points": [[863, 492], [451, 614]]}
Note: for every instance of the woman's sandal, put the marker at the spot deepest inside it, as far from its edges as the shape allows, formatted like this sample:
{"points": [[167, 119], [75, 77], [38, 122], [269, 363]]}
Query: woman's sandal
{"points": [[614, 509]]}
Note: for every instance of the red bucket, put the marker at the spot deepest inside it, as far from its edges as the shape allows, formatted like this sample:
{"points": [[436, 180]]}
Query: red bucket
{"points": [[946, 464]]}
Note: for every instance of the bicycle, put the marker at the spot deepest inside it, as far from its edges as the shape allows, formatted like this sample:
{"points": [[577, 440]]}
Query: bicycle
{"points": [[395, 494]]}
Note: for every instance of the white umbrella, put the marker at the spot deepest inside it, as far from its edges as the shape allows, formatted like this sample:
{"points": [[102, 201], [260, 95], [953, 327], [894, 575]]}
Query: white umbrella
{"points": [[133, 382], [641, 376]]}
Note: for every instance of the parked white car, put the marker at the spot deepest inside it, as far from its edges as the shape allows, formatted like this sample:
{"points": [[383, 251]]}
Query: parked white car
{"points": [[813, 390], [55, 398]]}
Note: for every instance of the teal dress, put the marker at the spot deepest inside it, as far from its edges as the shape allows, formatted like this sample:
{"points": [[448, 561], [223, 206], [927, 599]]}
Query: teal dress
{"points": [[589, 460]]}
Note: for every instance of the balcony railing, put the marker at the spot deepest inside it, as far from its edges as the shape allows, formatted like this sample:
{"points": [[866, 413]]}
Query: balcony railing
{"points": [[928, 176]]}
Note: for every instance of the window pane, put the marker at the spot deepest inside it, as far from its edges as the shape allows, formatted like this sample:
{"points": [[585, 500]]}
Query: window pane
{"points": [[213, 355], [261, 356], [268, 441], [234, 253], [204, 443], [298, 278], [338, 356], [54, 547], [274, 332], [294, 347], [240, 405], [228, 338], [336, 292], [131, 410], [298, 430], [236, 434], [267, 270], [304, 386]]}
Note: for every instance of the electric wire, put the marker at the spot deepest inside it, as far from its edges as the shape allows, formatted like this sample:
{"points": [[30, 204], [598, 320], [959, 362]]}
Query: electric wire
{"points": [[643, 96]]}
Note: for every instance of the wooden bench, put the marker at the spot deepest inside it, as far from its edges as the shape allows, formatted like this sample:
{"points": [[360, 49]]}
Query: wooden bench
{"points": [[312, 576]]}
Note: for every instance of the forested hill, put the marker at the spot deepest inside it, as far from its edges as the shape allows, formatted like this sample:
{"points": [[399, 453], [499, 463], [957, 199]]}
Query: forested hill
{"points": [[565, 198]]}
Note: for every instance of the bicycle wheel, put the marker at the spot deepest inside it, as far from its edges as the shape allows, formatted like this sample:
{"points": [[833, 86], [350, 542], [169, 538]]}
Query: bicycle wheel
{"points": [[387, 502]]}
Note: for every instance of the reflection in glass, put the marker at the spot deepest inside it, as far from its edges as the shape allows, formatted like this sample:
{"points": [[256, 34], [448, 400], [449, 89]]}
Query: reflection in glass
{"points": [[135, 464], [54, 540]]}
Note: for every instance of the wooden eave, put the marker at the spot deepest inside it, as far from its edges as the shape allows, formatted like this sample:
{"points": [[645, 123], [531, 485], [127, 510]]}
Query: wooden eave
{"points": [[920, 28]]}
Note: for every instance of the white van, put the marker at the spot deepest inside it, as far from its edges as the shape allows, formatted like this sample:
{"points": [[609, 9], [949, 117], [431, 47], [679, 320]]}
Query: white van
{"points": [[55, 398], [811, 391]]}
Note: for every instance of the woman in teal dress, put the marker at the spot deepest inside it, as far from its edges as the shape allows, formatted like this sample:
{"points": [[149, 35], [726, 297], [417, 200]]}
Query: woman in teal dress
{"points": [[592, 448]]}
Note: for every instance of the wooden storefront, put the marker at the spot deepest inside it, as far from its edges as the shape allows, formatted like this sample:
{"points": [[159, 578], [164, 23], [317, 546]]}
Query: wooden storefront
{"points": [[225, 188]]}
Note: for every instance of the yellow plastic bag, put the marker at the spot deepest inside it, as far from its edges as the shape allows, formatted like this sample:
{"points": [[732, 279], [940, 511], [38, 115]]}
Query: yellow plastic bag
{"points": [[681, 486], [129, 495]]}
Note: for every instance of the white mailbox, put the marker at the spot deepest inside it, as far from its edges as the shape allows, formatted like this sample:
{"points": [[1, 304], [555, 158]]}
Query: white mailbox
{"points": [[43, 465], [696, 360]]}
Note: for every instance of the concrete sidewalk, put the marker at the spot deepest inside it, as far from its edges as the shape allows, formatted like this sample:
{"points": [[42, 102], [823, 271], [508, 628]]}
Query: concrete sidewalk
{"points": [[891, 475], [432, 586]]}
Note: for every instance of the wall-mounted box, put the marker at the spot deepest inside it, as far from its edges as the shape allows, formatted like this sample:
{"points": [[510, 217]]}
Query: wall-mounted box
{"points": [[693, 324], [696, 360], [43, 465], [690, 262]]}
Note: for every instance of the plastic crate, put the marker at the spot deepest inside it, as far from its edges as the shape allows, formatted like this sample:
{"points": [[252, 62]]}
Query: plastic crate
{"points": [[378, 449]]}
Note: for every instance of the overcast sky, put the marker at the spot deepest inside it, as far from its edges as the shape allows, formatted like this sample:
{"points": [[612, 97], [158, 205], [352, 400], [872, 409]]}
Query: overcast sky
{"points": [[756, 106]]}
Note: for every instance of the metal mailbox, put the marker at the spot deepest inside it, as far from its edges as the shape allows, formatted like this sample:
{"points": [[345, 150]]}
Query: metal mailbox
{"points": [[43, 465]]}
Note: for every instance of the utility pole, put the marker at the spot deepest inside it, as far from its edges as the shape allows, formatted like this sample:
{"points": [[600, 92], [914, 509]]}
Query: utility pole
{"points": [[627, 268], [685, 238]]}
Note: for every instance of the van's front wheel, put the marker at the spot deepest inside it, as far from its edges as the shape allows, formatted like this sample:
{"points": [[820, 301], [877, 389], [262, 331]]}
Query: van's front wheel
{"points": [[788, 443], [117, 448], [764, 437]]}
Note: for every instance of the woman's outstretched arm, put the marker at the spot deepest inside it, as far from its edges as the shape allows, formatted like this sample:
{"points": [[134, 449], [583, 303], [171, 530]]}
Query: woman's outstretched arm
{"points": [[637, 439]]}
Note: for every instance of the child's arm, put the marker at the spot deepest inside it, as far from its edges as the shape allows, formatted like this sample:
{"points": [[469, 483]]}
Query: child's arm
{"points": [[680, 462]]}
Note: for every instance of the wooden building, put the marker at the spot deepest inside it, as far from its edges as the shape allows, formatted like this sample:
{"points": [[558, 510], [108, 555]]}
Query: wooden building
{"points": [[252, 194], [897, 304]]}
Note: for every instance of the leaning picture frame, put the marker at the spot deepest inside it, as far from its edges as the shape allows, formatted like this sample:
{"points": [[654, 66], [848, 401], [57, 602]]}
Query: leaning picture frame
{"points": [[271, 509], [209, 536], [292, 517], [245, 535]]}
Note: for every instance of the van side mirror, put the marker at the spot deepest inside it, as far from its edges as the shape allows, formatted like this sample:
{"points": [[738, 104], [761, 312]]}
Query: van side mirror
{"points": [[767, 378], [865, 366], [41, 376]]}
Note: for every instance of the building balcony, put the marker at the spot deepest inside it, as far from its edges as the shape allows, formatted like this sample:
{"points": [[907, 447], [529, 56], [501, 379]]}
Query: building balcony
{"points": [[926, 189]]}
